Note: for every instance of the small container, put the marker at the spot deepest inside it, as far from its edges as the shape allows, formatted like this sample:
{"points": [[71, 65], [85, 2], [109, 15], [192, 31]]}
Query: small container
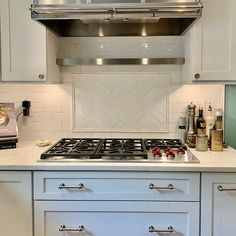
{"points": [[202, 142], [216, 140]]}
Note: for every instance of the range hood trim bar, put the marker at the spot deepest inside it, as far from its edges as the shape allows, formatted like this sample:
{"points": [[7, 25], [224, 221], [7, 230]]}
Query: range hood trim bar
{"points": [[120, 61], [116, 10], [153, 18]]}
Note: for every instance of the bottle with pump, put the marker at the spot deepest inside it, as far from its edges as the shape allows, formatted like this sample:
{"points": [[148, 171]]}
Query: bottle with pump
{"points": [[210, 120], [201, 123]]}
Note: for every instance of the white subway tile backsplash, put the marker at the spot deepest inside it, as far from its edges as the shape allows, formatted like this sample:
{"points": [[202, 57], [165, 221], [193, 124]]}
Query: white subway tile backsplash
{"points": [[52, 107], [41, 117], [66, 126], [51, 111], [54, 126], [31, 126], [36, 107]]}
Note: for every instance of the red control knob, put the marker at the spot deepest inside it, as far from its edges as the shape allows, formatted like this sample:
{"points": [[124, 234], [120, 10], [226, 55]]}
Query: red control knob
{"points": [[156, 152], [181, 150], [170, 153], [168, 149]]}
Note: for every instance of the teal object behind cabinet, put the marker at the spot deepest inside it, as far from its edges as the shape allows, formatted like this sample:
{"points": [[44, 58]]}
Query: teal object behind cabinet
{"points": [[230, 115]]}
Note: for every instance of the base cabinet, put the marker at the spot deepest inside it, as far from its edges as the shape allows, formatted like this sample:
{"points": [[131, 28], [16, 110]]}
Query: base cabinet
{"points": [[218, 203], [15, 203], [116, 218], [116, 203]]}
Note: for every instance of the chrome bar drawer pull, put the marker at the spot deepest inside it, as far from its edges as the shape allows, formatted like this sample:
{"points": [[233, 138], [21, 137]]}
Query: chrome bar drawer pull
{"points": [[63, 228], [63, 186], [169, 230], [169, 187], [221, 189]]}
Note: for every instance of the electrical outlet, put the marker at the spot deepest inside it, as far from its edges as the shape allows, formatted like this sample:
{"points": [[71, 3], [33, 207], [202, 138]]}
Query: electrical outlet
{"points": [[26, 107]]}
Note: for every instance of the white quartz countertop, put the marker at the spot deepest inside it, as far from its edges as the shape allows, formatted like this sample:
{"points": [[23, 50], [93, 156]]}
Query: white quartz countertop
{"points": [[27, 154]]}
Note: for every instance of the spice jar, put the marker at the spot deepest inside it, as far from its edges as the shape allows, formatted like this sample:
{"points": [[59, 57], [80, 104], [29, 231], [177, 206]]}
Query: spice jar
{"points": [[201, 142]]}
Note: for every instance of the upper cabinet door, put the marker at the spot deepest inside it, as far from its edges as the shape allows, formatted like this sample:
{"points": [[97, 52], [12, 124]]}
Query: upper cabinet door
{"points": [[213, 49], [23, 43]]}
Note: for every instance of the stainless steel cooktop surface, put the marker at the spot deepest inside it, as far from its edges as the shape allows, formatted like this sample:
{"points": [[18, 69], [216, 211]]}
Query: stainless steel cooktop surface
{"points": [[118, 150]]}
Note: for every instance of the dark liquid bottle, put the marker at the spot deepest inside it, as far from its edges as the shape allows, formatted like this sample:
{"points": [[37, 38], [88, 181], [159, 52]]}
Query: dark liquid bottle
{"points": [[201, 123]]}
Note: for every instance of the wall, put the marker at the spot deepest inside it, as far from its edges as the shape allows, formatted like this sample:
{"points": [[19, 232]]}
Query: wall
{"points": [[51, 115], [52, 104], [230, 115]]}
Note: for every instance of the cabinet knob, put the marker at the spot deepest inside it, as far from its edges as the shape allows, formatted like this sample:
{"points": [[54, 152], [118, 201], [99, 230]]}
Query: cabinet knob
{"points": [[41, 76], [197, 76]]}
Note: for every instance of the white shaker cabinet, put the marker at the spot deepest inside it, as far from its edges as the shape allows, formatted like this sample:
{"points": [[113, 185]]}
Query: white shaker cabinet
{"points": [[25, 49], [15, 203], [218, 203], [106, 218], [213, 42], [116, 203]]}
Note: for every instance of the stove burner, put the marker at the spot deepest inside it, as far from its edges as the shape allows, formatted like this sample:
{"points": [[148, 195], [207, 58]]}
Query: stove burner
{"points": [[72, 148], [123, 149], [164, 143]]}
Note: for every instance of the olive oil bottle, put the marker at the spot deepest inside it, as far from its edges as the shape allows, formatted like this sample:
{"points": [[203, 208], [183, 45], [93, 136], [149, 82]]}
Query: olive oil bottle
{"points": [[201, 123]]}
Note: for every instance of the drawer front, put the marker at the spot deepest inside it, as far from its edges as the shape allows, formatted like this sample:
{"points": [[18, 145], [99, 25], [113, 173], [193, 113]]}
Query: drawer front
{"points": [[116, 186], [58, 218]]}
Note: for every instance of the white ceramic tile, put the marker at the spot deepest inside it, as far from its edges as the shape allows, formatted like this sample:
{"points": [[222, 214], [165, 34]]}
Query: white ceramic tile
{"points": [[125, 102], [51, 107], [54, 126], [41, 117], [53, 120]]}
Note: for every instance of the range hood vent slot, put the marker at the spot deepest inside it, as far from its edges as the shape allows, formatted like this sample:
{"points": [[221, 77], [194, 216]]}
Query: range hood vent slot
{"points": [[120, 61], [91, 18]]}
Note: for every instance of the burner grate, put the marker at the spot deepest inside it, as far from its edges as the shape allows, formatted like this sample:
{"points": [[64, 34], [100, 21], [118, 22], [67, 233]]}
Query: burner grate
{"points": [[164, 143], [123, 149], [73, 148]]}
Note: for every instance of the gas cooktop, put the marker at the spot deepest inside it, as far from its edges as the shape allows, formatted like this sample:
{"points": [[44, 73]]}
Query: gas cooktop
{"points": [[120, 150]]}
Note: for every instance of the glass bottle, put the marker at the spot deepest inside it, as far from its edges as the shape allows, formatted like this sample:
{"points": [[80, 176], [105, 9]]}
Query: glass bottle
{"points": [[201, 123]]}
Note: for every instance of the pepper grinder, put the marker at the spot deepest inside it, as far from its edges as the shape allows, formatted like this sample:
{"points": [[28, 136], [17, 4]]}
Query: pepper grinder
{"points": [[191, 132], [182, 128]]}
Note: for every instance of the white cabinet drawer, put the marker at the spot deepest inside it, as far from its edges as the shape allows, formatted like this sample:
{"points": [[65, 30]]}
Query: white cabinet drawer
{"points": [[116, 186], [115, 218]]}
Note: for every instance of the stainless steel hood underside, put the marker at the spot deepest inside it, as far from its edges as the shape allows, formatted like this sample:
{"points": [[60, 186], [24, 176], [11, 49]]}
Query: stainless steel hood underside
{"points": [[88, 18]]}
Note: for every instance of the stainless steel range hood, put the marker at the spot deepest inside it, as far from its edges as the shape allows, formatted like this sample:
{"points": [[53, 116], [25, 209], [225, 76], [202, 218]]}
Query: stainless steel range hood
{"points": [[88, 18]]}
